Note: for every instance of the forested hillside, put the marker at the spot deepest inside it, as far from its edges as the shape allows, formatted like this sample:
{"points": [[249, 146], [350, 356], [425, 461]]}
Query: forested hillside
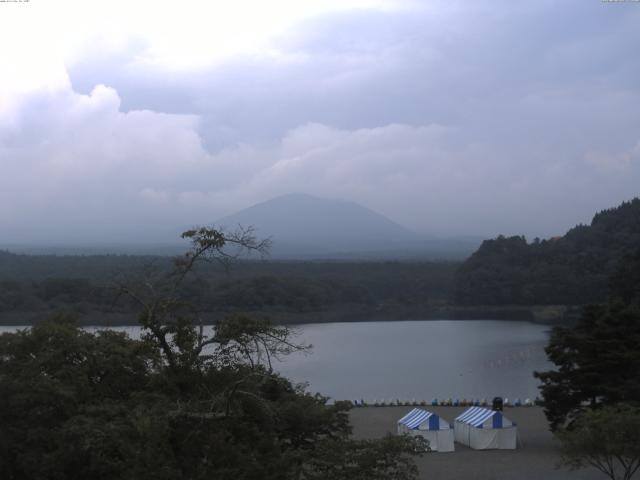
{"points": [[573, 269]]}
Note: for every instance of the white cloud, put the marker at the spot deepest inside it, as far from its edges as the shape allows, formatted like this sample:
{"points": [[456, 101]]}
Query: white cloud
{"points": [[176, 35], [440, 117], [77, 162], [615, 162], [68, 157]]}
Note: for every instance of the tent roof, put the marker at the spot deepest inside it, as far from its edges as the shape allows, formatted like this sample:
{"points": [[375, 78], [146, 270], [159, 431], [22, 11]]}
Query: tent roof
{"points": [[476, 416], [415, 417]]}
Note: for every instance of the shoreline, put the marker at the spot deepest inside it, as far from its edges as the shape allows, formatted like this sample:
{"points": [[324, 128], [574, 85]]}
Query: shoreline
{"points": [[536, 456], [539, 314]]}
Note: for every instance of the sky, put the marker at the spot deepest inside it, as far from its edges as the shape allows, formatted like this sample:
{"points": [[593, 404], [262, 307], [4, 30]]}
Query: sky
{"points": [[123, 121]]}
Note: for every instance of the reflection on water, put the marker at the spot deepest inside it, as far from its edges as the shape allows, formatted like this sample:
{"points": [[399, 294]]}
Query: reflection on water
{"points": [[416, 360]]}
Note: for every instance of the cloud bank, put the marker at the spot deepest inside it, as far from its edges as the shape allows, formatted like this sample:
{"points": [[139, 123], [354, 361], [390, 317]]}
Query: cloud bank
{"points": [[452, 119]]}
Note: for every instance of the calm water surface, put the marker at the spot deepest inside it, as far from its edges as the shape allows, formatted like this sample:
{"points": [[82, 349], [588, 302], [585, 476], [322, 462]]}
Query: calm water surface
{"points": [[422, 359], [417, 359]]}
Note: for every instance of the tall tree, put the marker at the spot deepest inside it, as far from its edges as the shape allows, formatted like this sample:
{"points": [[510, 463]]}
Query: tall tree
{"points": [[597, 362], [598, 359]]}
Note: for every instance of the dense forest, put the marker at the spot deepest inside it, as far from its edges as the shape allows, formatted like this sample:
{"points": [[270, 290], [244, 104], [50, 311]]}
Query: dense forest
{"points": [[31, 287], [573, 269]]}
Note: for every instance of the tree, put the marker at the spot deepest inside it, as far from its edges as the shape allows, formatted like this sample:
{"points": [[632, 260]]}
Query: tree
{"points": [[624, 284], [607, 438], [65, 400], [342, 459], [597, 361], [176, 404], [166, 316], [568, 270]]}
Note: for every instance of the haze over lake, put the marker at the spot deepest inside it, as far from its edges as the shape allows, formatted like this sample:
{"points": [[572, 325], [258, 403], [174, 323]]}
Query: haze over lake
{"points": [[416, 359]]}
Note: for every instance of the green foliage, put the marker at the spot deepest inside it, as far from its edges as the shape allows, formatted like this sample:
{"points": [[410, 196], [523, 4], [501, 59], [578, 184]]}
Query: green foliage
{"points": [[78, 405], [46, 284], [384, 459], [597, 362], [573, 269], [598, 359], [293, 293], [625, 282], [607, 438], [65, 389], [175, 404], [241, 336]]}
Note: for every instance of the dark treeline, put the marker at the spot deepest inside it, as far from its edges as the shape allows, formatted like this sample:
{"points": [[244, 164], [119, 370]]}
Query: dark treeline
{"points": [[86, 285], [570, 270]]}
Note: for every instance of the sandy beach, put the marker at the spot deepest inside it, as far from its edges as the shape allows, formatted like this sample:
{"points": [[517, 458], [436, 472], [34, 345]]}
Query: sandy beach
{"points": [[536, 457]]}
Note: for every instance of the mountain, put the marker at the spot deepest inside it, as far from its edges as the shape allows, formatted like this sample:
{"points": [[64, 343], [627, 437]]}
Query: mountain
{"points": [[305, 226], [572, 269], [300, 223], [301, 226]]}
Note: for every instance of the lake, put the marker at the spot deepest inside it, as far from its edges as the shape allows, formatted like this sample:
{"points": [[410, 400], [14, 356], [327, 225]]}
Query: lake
{"points": [[418, 360]]}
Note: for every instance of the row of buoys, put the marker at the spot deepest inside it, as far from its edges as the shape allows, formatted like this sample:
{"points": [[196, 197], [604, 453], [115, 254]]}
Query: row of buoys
{"points": [[446, 403], [519, 356]]}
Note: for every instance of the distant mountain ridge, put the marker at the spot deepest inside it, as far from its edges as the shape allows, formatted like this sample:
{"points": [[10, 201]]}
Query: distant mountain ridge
{"points": [[572, 269], [305, 219], [302, 225]]}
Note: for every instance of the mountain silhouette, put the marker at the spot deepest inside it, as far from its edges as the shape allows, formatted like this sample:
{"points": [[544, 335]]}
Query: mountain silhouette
{"points": [[302, 225]]}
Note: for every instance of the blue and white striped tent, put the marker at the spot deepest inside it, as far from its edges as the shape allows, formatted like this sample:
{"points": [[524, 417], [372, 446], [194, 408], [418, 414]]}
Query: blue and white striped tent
{"points": [[482, 429], [430, 426]]}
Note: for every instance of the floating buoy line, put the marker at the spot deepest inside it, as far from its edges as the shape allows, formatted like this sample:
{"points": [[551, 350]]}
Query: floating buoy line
{"points": [[449, 402]]}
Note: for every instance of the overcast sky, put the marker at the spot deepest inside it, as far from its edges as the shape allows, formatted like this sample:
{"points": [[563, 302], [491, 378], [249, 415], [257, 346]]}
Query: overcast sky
{"points": [[123, 120]]}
